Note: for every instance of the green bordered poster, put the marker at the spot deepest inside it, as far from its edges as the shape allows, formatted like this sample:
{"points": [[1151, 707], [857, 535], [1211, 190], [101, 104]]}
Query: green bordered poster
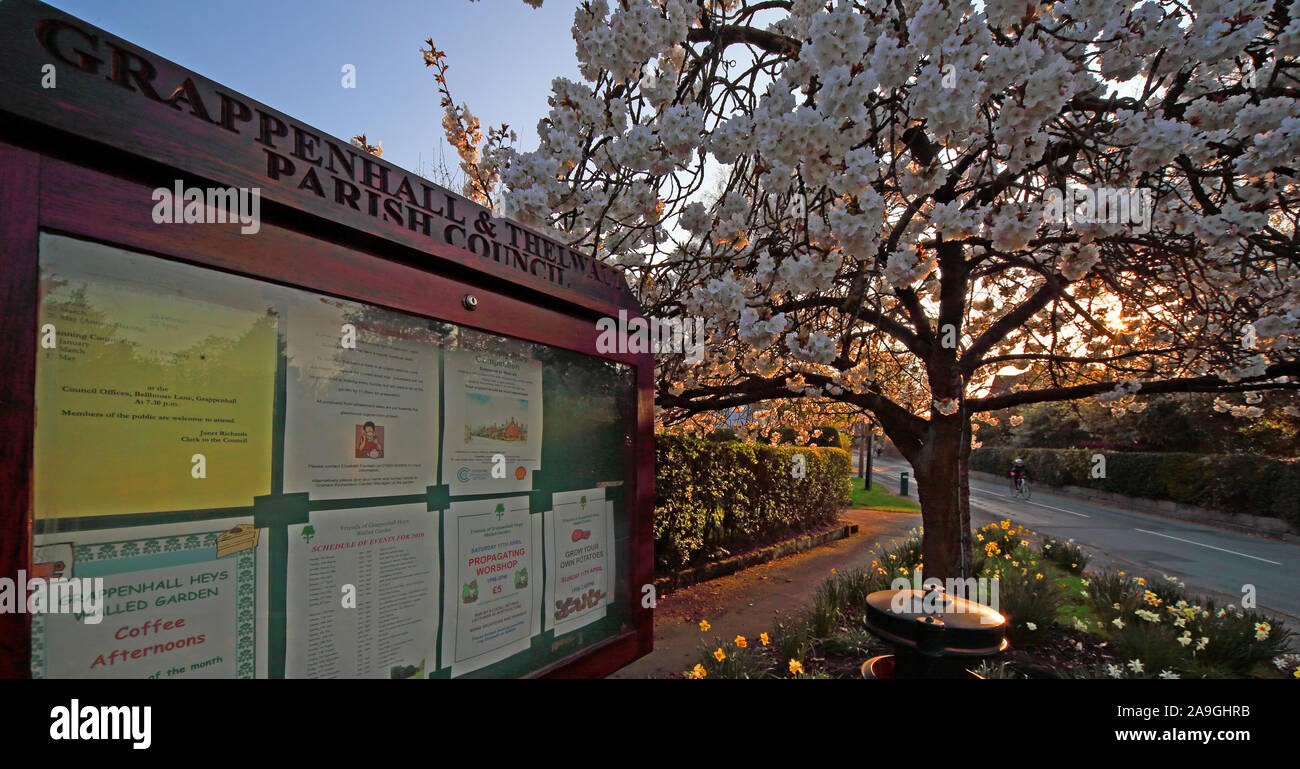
{"points": [[175, 601]]}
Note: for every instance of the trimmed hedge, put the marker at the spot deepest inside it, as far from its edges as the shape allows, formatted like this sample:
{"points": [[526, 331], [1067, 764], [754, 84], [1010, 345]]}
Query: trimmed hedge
{"points": [[736, 495], [1231, 483]]}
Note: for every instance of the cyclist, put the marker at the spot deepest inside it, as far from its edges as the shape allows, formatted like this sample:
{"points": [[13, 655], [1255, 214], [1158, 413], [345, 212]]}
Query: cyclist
{"points": [[1019, 472]]}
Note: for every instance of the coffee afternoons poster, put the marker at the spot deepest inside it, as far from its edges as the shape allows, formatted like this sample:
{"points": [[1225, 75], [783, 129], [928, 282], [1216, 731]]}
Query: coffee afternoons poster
{"points": [[154, 384], [182, 600]]}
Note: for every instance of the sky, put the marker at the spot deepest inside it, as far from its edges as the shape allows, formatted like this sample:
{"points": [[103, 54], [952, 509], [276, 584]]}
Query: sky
{"points": [[289, 55]]}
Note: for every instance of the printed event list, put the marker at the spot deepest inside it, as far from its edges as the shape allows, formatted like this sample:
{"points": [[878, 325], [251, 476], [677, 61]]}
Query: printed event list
{"points": [[362, 594]]}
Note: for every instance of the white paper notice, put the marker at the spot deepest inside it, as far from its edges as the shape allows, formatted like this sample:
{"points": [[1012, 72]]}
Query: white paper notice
{"points": [[579, 566], [492, 432], [493, 581], [362, 403], [389, 557], [177, 601]]}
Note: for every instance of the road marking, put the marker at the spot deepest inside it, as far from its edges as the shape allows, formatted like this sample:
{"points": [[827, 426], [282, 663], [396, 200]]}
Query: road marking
{"points": [[1029, 502], [1049, 507], [1212, 547]]}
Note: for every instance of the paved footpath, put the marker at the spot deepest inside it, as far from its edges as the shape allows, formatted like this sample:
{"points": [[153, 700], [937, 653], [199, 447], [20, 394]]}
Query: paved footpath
{"points": [[751, 601]]}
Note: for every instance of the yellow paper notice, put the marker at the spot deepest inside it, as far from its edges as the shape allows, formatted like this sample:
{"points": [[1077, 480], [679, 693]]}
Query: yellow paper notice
{"points": [[154, 384]]}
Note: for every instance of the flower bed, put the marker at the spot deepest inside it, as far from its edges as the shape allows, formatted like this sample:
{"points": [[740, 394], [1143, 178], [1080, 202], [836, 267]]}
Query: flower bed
{"points": [[1063, 622]]}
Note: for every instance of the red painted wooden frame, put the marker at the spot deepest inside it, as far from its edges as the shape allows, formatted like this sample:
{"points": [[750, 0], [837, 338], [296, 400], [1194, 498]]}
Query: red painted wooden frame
{"points": [[41, 192]]}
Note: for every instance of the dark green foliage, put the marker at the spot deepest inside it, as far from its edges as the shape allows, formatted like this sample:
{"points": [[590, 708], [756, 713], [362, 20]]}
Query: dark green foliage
{"points": [[1028, 599], [730, 496], [794, 638], [829, 437], [1065, 554]]}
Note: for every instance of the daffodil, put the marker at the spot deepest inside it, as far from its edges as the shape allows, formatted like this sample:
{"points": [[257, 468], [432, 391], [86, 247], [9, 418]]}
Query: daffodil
{"points": [[763, 639], [741, 642], [719, 655], [704, 626], [796, 667], [698, 671]]}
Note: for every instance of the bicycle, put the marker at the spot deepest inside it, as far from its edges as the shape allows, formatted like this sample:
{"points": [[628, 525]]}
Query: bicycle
{"points": [[1020, 488]]}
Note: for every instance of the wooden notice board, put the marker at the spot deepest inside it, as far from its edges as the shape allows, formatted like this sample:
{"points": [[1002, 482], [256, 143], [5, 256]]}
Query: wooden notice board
{"points": [[283, 409]]}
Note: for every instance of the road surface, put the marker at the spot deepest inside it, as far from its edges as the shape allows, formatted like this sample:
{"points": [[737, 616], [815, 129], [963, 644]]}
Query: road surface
{"points": [[1209, 560]]}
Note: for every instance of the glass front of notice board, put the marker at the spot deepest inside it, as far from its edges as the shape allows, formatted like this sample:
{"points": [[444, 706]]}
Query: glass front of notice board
{"points": [[240, 479]]}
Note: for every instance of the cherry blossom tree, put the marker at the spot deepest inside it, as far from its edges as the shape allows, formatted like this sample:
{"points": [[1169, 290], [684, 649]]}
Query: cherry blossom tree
{"points": [[928, 210]]}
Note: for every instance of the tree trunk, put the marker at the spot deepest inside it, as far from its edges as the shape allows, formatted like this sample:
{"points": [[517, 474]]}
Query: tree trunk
{"points": [[963, 497], [940, 490]]}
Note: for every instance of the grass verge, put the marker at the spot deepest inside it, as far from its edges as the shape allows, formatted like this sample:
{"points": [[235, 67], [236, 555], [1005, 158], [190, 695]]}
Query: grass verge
{"points": [[879, 498]]}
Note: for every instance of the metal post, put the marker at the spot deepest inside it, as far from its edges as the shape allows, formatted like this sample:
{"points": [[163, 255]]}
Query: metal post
{"points": [[870, 440], [861, 442]]}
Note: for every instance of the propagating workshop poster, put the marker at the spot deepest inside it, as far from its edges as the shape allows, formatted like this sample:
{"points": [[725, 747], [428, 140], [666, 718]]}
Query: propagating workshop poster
{"points": [[181, 600], [154, 384], [362, 598], [579, 565], [492, 581], [492, 428], [362, 400]]}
